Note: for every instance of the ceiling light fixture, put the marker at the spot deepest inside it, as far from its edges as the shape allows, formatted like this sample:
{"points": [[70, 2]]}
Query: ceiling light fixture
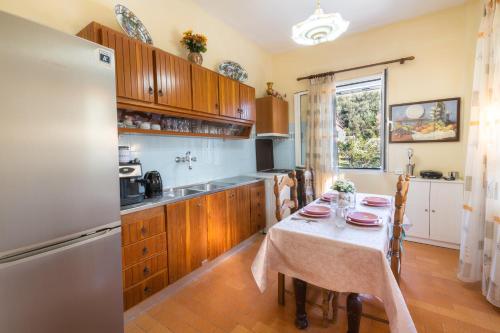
{"points": [[319, 27]]}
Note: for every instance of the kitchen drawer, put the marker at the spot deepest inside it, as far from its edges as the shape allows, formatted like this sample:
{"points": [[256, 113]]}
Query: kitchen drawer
{"points": [[257, 207], [144, 269], [134, 253], [140, 225], [136, 294]]}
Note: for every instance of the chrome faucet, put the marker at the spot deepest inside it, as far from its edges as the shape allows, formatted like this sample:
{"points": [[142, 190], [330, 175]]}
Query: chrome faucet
{"points": [[188, 158]]}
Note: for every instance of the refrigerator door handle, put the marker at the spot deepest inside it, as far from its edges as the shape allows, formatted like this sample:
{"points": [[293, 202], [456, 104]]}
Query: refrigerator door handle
{"points": [[59, 245]]}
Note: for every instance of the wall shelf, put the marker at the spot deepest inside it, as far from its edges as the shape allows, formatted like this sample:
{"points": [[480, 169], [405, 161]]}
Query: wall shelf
{"points": [[122, 130]]}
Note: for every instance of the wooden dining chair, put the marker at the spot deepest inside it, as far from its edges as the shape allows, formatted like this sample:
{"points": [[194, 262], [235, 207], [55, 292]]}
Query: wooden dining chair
{"points": [[286, 205], [395, 250], [285, 192]]}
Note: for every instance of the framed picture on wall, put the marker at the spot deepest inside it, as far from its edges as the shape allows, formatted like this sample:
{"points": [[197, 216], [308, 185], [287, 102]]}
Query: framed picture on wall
{"points": [[427, 121]]}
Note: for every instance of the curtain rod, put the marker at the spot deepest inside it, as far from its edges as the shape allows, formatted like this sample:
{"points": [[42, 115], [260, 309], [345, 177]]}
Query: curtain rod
{"points": [[400, 60]]}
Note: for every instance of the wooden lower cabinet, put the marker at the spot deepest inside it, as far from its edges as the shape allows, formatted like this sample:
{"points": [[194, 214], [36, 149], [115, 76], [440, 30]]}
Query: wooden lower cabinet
{"points": [[144, 269], [140, 225], [238, 213], [146, 248], [148, 287], [257, 207], [161, 245], [187, 236], [217, 228], [144, 255]]}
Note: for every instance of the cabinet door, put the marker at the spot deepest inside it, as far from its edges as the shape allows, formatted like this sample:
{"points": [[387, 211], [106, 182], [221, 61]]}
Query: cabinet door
{"points": [[197, 232], [446, 212], [217, 224], [243, 213], [205, 89], [173, 80], [247, 102], [417, 209], [281, 120], [234, 232], [134, 66], [229, 97], [257, 208], [177, 234]]}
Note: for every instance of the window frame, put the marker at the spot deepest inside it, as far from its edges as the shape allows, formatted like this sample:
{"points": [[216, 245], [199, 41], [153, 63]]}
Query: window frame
{"points": [[383, 125]]}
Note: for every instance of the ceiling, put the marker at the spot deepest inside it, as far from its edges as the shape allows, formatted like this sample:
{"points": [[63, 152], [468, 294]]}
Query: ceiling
{"points": [[269, 22]]}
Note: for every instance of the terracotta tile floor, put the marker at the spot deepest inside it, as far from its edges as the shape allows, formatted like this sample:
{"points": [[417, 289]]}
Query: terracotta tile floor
{"points": [[226, 299]]}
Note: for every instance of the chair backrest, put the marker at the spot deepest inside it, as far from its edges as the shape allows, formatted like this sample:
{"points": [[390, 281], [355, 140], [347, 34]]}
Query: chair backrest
{"points": [[310, 193], [400, 206], [285, 204]]}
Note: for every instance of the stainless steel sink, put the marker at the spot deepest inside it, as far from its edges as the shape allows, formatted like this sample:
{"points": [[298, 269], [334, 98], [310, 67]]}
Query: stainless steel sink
{"points": [[180, 192], [207, 187]]}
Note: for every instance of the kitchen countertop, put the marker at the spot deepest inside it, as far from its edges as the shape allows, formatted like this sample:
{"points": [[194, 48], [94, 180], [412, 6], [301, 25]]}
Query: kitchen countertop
{"points": [[231, 182]]}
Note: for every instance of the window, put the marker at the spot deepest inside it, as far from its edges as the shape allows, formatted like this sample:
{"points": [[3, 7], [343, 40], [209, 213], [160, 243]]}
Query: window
{"points": [[360, 124]]}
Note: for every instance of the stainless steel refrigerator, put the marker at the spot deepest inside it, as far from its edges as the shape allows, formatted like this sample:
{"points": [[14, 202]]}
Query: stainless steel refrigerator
{"points": [[60, 256]]}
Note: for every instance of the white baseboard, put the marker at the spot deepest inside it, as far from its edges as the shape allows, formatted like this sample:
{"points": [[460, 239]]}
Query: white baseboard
{"points": [[432, 242]]}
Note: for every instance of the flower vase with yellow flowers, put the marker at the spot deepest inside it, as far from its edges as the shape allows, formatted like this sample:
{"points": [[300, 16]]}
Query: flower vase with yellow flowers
{"points": [[196, 44]]}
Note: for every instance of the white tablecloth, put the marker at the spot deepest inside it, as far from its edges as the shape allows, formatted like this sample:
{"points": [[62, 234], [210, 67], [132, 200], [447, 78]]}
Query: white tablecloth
{"points": [[352, 259]]}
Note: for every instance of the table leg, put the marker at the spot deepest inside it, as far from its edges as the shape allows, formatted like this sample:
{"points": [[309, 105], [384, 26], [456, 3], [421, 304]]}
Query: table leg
{"points": [[335, 306], [354, 309], [281, 289], [300, 288]]}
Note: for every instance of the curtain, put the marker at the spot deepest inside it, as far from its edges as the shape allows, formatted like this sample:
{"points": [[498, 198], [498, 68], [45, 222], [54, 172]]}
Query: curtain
{"points": [[480, 243], [321, 133]]}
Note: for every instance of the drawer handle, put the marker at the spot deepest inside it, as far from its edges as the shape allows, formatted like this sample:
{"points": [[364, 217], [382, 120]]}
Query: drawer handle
{"points": [[433, 211], [144, 231], [146, 271], [426, 210], [151, 91], [160, 92], [147, 290], [145, 251]]}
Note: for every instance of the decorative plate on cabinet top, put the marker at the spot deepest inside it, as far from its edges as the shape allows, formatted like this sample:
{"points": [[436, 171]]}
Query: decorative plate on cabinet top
{"points": [[132, 25], [233, 70]]}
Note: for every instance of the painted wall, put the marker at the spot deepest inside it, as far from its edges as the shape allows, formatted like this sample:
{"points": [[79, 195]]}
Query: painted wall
{"points": [[443, 44], [166, 20]]}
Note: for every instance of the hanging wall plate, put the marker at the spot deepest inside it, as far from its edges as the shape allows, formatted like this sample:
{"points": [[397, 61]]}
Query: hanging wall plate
{"points": [[233, 70], [132, 25]]}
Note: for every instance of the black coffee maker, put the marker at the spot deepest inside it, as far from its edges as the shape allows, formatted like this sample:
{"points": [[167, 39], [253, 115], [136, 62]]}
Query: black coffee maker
{"points": [[131, 182], [153, 184]]}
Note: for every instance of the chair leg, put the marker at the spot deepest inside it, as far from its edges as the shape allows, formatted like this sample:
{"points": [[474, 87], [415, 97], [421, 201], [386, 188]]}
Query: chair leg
{"points": [[281, 289], [335, 306], [326, 305]]}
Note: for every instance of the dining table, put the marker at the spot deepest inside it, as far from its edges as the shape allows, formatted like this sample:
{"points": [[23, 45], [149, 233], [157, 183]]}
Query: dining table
{"points": [[336, 256]]}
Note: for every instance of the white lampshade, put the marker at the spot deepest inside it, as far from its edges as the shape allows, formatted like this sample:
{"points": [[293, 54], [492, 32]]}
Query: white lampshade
{"points": [[319, 28]]}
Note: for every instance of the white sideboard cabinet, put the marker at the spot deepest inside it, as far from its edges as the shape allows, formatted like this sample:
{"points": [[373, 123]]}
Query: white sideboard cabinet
{"points": [[434, 208]]}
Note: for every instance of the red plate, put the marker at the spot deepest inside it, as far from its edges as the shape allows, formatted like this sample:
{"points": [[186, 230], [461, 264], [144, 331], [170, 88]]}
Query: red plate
{"points": [[313, 215], [376, 201], [362, 224], [328, 196], [363, 217], [373, 205], [317, 210]]}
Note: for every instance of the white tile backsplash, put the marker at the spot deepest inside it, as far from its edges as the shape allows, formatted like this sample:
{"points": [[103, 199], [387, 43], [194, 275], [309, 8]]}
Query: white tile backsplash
{"points": [[216, 158]]}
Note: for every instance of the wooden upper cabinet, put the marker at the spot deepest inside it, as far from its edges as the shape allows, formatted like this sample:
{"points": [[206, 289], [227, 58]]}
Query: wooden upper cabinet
{"points": [[272, 116], [229, 97], [173, 80], [205, 84], [134, 66], [247, 102]]}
